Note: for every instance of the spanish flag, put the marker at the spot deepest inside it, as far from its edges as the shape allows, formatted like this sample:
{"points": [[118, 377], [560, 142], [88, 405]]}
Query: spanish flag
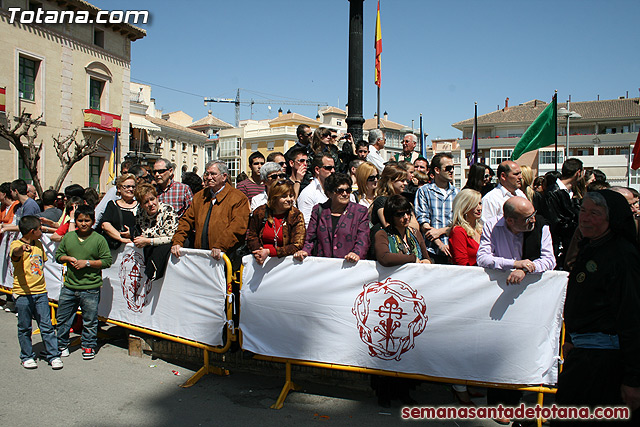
{"points": [[378, 46], [3, 99], [112, 159], [101, 120]]}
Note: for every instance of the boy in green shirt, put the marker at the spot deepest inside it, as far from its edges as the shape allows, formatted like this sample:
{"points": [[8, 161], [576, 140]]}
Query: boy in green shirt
{"points": [[30, 291], [86, 253]]}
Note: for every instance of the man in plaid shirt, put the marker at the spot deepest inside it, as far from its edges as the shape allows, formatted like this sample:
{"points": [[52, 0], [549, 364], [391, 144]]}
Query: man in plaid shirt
{"points": [[434, 207], [171, 192]]}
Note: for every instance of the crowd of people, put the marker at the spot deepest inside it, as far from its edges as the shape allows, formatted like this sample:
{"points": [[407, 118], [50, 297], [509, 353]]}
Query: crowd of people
{"points": [[329, 196]]}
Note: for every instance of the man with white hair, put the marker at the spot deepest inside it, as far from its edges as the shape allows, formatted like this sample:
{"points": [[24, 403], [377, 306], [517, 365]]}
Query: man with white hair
{"points": [[408, 154], [376, 144], [219, 215]]}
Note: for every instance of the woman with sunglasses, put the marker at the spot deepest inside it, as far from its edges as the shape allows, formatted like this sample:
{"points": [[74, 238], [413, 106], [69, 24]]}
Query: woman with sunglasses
{"points": [[393, 180], [338, 227], [367, 177], [276, 229], [119, 218], [397, 244], [325, 141]]}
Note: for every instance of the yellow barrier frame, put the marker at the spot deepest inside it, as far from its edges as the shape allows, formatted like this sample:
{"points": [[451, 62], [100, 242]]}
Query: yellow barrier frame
{"points": [[206, 368], [289, 385]]}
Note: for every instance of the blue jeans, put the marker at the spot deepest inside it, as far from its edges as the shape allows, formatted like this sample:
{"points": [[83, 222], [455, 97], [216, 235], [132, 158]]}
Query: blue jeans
{"points": [[35, 306], [68, 303]]}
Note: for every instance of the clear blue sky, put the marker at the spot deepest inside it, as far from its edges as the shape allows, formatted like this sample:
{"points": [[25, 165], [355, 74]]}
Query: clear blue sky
{"points": [[438, 56]]}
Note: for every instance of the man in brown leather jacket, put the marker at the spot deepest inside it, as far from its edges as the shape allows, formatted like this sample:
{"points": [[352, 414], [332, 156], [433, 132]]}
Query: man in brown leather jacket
{"points": [[219, 215]]}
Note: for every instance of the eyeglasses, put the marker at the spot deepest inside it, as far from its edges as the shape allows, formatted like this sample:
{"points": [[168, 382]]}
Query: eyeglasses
{"points": [[449, 168], [128, 187], [301, 161], [211, 174], [334, 136], [308, 134], [160, 171], [400, 214], [328, 168], [530, 218], [486, 176], [282, 164], [326, 136], [373, 178], [147, 177], [346, 190], [277, 176]]}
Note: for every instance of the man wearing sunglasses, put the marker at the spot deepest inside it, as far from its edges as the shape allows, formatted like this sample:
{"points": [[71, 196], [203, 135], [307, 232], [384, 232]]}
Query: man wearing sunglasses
{"points": [[170, 192], [434, 207], [270, 173], [510, 181], [297, 167], [322, 167]]}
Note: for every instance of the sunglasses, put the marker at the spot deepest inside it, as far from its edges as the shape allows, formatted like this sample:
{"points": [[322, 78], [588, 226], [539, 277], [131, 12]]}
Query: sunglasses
{"points": [[129, 187], [328, 168], [282, 164], [400, 214], [309, 134], [449, 168], [530, 218], [277, 176], [343, 190], [486, 175], [334, 136], [160, 171], [373, 178]]}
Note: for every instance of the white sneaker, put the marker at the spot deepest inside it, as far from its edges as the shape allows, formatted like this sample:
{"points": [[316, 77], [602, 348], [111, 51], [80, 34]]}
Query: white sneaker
{"points": [[29, 364], [64, 352], [56, 363]]}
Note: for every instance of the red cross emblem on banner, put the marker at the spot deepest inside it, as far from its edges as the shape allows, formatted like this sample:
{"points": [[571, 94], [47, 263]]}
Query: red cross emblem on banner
{"points": [[390, 315], [135, 284]]}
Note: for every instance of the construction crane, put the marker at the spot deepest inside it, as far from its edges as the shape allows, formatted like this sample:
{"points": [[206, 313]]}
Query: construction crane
{"points": [[237, 103]]}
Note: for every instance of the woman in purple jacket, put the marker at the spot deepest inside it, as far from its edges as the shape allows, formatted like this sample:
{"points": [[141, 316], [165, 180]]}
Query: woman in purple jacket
{"points": [[338, 228]]}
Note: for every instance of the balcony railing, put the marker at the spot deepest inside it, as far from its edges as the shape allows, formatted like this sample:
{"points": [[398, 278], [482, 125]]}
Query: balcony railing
{"points": [[144, 147]]}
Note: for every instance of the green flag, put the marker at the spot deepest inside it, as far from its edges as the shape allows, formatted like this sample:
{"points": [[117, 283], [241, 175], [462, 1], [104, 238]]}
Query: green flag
{"points": [[541, 133]]}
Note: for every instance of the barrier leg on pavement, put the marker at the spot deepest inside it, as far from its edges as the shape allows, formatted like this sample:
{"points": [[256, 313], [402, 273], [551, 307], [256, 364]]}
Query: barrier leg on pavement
{"points": [[289, 385]]}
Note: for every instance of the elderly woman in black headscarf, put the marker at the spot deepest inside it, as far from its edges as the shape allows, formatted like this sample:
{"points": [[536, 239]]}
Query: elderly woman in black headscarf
{"points": [[602, 309]]}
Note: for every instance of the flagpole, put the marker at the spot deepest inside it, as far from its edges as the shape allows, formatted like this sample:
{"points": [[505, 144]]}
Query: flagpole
{"points": [[423, 150], [378, 107], [555, 126], [475, 131]]}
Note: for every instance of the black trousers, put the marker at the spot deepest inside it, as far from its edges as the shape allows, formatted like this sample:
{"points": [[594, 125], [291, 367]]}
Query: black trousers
{"points": [[592, 377]]}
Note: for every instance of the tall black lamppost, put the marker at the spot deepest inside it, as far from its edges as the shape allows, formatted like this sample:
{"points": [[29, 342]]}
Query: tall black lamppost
{"points": [[354, 117]]}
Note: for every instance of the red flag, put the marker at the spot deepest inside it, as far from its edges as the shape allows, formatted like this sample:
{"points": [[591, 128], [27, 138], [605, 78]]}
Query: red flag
{"points": [[636, 154], [378, 46]]}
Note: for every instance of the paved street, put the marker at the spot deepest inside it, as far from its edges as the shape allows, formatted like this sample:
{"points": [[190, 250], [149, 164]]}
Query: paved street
{"points": [[115, 389]]}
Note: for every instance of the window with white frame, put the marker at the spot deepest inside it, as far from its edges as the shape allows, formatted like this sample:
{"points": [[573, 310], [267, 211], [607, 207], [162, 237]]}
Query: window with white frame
{"points": [[98, 80], [27, 74], [498, 156], [96, 89], [234, 167], [547, 157]]}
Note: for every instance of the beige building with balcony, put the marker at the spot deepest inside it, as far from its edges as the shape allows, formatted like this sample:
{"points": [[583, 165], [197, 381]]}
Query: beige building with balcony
{"points": [[602, 138], [57, 71], [169, 135]]}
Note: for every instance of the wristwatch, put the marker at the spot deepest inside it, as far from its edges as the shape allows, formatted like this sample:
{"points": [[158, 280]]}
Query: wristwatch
{"points": [[88, 263]]}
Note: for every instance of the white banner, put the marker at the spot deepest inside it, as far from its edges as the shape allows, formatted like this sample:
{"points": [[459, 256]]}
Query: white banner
{"points": [[189, 301], [443, 321]]}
